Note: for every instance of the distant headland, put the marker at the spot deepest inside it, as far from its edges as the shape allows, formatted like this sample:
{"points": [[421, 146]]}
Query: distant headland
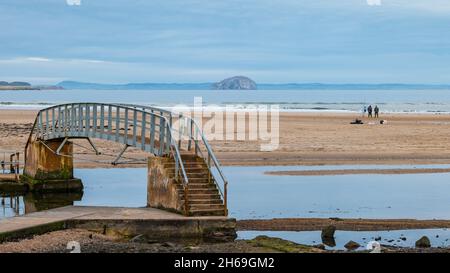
{"points": [[232, 83], [26, 86], [244, 83]]}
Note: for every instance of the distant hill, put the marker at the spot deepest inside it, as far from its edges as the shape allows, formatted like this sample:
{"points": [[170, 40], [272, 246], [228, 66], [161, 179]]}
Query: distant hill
{"points": [[260, 86], [136, 86], [3, 83]]}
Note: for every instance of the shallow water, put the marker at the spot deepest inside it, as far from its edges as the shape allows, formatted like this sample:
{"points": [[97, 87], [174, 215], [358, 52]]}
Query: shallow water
{"points": [[252, 194], [438, 237], [433, 101]]}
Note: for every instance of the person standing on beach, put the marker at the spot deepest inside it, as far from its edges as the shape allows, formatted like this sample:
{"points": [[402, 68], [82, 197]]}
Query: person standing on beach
{"points": [[369, 110], [376, 110], [364, 110]]}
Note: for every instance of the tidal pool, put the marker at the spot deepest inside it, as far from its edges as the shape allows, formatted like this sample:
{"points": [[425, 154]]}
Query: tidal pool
{"points": [[252, 194], [399, 238]]}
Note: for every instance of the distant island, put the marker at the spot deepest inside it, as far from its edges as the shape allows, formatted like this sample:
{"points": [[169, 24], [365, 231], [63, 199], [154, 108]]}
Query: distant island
{"points": [[235, 83], [26, 86]]}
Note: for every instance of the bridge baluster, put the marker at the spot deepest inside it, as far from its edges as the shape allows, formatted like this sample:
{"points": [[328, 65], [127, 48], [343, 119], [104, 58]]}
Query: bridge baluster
{"points": [[80, 120], [143, 126], [162, 131], [125, 141], [117, 123], [73, 116], [66, 119], [169, 139], [134, 127], [94, 120], [102, 119], [46, 122], [109, 121], [152, 134]]}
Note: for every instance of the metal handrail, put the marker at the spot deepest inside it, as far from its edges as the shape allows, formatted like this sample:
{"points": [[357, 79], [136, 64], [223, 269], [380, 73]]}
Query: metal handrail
{"points": [[166, 133], [13, 162], [210, 156], [166, 129]]}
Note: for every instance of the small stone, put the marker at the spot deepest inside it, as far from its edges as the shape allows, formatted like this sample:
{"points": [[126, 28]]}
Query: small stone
{"points": [[90, 236], [403, 238], [138, 239], [320, 246], [423, 242], [167, 244], [351, 245], [378, 238]]}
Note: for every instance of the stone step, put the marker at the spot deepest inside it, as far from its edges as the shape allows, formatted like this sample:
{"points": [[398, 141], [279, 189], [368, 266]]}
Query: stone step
{"points": [[189, 169], [196, 196], [205, 201], [200, 191], [202, 186], [197, 186], [207, 212], [200, 180], [205, 206], [192, 176]]}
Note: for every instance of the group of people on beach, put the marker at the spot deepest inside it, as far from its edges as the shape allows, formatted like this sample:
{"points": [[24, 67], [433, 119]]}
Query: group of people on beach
{"points": [[369, 110]]}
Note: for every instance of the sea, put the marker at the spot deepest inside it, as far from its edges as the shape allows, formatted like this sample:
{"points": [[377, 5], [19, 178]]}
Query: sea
{"points": [[389, 101]]}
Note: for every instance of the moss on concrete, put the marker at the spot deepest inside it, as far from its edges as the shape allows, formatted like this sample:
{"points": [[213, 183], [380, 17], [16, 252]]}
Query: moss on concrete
{"points": [[281, 245], [13, 188], [56, 185], [28, 232]]}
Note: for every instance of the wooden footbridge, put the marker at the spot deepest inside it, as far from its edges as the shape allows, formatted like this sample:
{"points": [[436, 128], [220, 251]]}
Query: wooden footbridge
{"points": [[184, 174]]}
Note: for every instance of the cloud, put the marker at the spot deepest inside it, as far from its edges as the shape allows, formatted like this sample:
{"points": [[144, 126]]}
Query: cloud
{"points": [[374, 2], [73, 2]]}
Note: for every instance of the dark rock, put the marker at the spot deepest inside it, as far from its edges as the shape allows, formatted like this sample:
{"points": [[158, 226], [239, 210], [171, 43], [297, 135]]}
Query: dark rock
{"points": [[378, 238], [403, 238], [235, 83], [352, 245], [328, 231], [423, 242], [328, 236]]}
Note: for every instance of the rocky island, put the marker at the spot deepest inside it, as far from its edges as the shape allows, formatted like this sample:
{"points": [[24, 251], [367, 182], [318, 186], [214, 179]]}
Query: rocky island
{"points": [[235, 83], [26, 86]]}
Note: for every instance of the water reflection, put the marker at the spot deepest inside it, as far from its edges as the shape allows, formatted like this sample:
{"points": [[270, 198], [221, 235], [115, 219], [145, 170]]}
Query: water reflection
{"points": [[33, 202]]}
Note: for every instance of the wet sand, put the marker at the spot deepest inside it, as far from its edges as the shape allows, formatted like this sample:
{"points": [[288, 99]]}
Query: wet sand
{"points": [[359, 171], [312, 224], [56, 242], [305, 139]]}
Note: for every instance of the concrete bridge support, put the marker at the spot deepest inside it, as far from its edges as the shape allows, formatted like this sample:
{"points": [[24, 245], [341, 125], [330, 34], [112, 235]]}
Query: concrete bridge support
{"points": [[163, 191], [47, 171]]}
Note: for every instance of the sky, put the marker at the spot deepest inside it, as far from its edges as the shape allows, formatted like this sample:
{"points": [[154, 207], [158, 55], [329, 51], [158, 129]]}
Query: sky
{"points": [[271, 41]]}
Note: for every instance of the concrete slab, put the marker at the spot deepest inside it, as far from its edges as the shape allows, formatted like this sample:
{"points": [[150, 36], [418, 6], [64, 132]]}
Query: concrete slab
{"points": [[126, 222], [7, 177]]}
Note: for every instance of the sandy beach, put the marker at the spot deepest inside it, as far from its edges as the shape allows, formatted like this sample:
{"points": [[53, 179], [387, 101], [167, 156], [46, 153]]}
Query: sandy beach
{"points": [[305, 139]]}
